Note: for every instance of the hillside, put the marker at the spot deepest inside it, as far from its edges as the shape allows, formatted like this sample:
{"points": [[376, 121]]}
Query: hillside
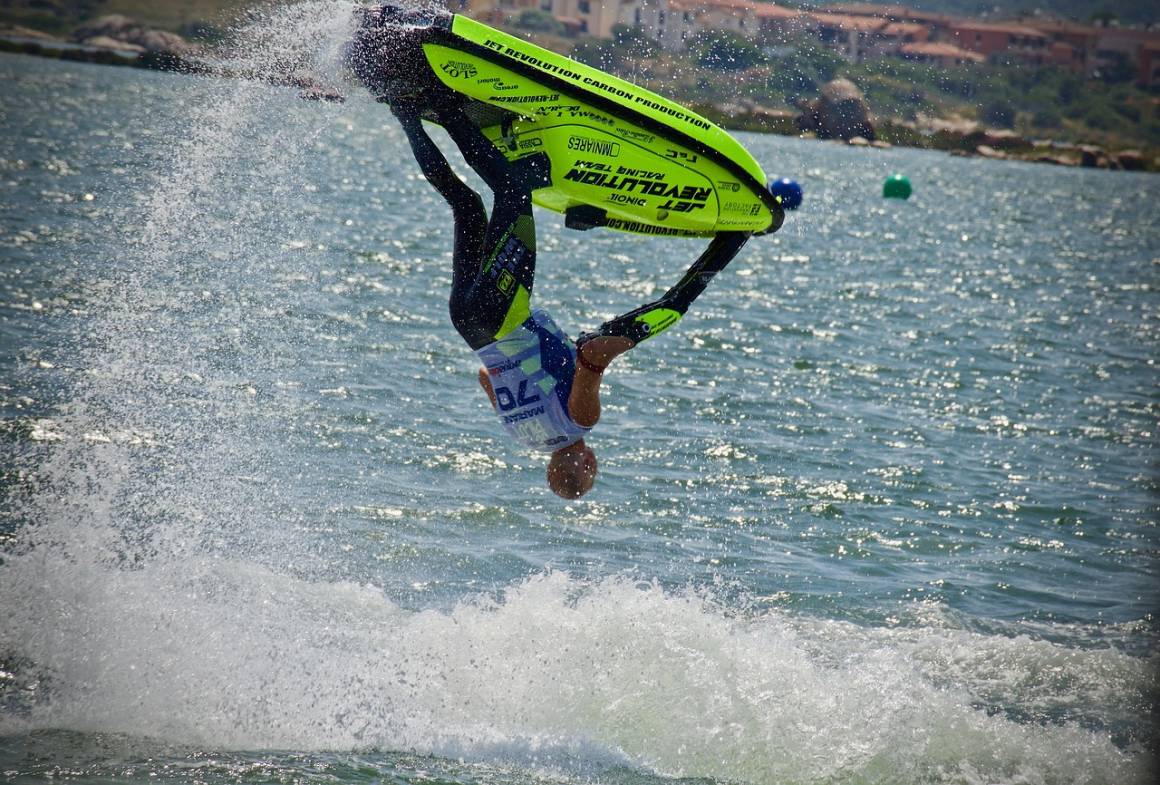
{"points": [[57, 16], [1126, 12], [1043, 102]]}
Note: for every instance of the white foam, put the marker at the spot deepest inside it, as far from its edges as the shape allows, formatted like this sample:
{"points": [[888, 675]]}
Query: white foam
{"points": [[231, 655]]}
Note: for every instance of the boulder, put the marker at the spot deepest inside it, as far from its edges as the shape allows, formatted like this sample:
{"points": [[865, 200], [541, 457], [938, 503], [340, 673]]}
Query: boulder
{"points": [[1003, 139], [18, 31], [858, 141], [1058, 160], [986, 151], [952, 125], [839, 112], [1090, 155], [113, 26], [952, 140], [779, 121], [1130, 160], [165, 42], [766, 113], [105, 42]]}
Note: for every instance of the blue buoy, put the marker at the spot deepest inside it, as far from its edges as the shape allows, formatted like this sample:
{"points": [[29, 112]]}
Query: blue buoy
{"points": [[788, 191]]}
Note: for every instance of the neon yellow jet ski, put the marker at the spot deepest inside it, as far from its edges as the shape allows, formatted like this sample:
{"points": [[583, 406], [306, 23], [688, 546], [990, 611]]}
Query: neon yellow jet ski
{"points": [[621, 156]]}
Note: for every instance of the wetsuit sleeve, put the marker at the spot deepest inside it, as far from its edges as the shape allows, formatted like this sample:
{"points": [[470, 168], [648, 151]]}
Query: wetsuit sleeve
{"points": [[654, 318], [480, 154]]}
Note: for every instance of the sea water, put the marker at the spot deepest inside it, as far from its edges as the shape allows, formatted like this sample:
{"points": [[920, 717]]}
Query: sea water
{"points": [[881, 509]]}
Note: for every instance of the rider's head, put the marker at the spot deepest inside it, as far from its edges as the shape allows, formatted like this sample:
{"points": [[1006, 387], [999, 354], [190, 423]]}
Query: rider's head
{"points": [[572, 470]]}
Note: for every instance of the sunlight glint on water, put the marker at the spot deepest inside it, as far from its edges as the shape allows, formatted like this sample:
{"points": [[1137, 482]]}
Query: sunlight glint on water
{"points": [[881, 510]]}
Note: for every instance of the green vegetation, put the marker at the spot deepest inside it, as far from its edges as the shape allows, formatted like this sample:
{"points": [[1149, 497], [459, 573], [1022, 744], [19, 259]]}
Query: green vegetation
{"points": [[1037, 102], [1128, 12], [627, 45], [801, 70], [724, 51]]}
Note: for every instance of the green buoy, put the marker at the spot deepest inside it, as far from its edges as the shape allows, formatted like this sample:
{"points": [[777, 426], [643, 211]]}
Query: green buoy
{"points": [[897, 186]]}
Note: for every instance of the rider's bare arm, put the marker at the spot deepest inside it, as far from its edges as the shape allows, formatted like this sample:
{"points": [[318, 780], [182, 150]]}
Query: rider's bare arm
{"points": [[597, 353], [485, 383]]}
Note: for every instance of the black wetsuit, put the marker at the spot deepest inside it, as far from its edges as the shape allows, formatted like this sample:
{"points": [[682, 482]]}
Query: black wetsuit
{"points": [[494, 260]]}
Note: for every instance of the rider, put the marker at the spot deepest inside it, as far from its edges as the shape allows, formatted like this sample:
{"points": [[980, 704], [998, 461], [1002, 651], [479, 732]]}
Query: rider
{"points": [[544, 388]]}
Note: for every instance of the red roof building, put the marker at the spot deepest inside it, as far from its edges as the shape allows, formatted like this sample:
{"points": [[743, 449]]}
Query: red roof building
{"points": [[1149, 75], [1002, 41], [891, 13], [854, 37], [939, 53], [1073, 45]]}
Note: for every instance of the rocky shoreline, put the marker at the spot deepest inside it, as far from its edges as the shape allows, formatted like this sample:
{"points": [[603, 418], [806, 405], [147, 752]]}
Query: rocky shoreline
{"points": [[111, 40], [119, 40], [840, 112]]}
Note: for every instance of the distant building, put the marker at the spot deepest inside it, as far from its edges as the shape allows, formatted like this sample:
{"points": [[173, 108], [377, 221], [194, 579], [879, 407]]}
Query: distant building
{"points": [[853, 37], [736, 16], [939, 53], [491, 10], [891, 13], [589, 17], [1089, 48], [1002, 41], [1073, 45], [593, 17], [1149, 73], [673, 22], [1066, 56], [895, 35], [937, 24], [1127, 43]]}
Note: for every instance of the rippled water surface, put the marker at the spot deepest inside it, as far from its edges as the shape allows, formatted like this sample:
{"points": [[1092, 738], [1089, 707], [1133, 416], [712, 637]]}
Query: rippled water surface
{"points": [[882, 509]]}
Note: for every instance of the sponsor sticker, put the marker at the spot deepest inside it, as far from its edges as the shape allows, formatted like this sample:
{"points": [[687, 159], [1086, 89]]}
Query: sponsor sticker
{"points": [[527, 99], [641, 182], [643, 228], [498, 84], [737, 207], [584, 144], [506, 282], [636, 201], [458, 70], [635, 136], [573, 112]]}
